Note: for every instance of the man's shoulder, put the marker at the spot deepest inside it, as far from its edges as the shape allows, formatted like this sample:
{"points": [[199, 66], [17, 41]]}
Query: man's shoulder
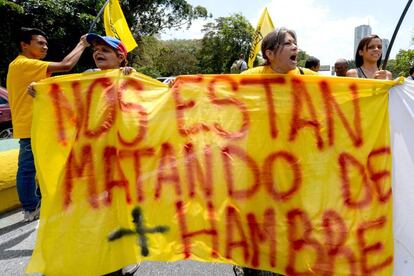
{"points": [[352, 73], [306, 71], [21, 60]]}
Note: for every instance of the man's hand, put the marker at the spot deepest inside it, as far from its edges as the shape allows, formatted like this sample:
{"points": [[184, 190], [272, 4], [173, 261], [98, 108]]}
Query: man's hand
{"points": [[83, 41], [127, 70], [30, 90]]}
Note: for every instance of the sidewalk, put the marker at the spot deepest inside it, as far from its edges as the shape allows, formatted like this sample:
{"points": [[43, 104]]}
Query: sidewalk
{"points": [[16, 243]]}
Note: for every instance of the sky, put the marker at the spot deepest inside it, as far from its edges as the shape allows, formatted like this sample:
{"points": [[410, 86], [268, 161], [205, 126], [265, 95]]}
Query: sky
{"points": [[324, 28]]}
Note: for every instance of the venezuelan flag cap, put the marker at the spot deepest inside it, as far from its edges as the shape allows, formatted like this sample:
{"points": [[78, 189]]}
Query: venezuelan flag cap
{"points": [[109, 40]]}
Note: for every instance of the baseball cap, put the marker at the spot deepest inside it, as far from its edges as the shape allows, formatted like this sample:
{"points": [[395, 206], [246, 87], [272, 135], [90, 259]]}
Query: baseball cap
{"points": [[109, 40]]}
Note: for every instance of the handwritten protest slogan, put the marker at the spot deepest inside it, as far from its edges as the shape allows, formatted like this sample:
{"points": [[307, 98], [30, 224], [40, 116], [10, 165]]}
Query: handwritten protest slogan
{"points": [[279, 172]]}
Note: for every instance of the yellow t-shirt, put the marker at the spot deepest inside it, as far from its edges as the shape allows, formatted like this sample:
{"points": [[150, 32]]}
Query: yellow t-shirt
{"points": [[22, 72], [267, 70]]}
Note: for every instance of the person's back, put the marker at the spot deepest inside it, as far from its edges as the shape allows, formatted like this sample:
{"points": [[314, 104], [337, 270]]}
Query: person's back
{"points": [[238, 65], [313, 64], [411, 73]]}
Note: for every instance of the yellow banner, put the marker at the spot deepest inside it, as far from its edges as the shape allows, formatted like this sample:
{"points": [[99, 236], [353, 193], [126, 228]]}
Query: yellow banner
{"points": [[264, 26], [116, 25], [284, 173]]}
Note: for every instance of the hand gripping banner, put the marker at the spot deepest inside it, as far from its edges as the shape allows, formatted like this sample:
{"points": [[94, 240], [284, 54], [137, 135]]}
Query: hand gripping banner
{"points": [[277, 172]]}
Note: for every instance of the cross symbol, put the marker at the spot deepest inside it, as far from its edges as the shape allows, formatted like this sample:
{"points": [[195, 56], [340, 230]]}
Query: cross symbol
{"points": [[140, 230]]}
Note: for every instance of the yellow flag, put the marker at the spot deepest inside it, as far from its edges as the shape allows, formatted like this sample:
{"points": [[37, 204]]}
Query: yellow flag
{"points": [[264, 27], [116, 25]]}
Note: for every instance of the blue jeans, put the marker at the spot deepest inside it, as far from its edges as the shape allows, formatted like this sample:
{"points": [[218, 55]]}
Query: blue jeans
{"points": [[25, 179]]}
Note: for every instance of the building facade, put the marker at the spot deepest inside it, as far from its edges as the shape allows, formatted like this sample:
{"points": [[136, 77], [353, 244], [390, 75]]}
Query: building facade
{"points": [[385, 45], [361, 32]]}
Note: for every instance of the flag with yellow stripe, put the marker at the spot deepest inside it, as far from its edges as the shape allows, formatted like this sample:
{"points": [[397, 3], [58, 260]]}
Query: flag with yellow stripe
{"points": [[264, 27], [116, 25]]}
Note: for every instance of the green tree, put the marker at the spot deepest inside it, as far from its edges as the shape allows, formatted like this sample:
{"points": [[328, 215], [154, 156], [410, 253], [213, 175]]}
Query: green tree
{"points": [[148, 17], [351, 64], [178, 57], [391, 67], [301, 58], [149, 48], [222, 43], [10, 17], [403, 62], [66, 20]]}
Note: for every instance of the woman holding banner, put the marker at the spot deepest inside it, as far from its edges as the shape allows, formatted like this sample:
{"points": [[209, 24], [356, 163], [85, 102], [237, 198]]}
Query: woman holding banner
{"points": [[108, 53], [280, 51], [368, 60]]}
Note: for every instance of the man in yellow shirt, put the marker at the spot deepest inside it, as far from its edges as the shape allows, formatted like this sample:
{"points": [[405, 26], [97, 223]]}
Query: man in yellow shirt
{"points": [[23, 70]]}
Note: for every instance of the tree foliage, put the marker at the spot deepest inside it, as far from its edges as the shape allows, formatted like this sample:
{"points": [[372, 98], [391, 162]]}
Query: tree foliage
{"points": [[403, 62], [222, 43], [148, 17], [64, 21], [167, 58], [178, 57], [301, 58]]}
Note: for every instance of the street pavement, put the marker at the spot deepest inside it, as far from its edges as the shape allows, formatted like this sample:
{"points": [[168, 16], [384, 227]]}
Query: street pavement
{"points": [[17, 241]]}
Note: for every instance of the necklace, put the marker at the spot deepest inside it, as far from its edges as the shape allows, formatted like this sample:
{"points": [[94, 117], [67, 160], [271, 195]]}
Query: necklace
{"points": [[371, 73]]}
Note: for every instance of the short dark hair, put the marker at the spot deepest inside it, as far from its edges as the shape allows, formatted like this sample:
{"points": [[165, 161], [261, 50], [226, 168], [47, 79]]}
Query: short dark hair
{"points": [[363, 44], [25, 35], [312, 62], [274, 40], [411, 70]]}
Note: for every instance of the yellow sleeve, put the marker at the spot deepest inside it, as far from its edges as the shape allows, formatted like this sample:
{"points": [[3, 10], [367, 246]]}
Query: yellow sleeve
{"points": [[22, 72]]}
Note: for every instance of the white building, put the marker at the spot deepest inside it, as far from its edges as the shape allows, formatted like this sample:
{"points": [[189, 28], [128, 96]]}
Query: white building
{"points": [[385, 45], [361, 32]]}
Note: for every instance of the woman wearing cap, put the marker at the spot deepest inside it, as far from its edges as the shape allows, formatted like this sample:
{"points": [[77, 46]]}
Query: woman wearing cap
{"points": [[368, 60], [108, 53], [280, 50]]}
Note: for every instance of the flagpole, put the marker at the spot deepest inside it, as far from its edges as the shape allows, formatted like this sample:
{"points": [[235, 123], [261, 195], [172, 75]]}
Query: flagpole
{"points": [[384, 65], [98, 16]]}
